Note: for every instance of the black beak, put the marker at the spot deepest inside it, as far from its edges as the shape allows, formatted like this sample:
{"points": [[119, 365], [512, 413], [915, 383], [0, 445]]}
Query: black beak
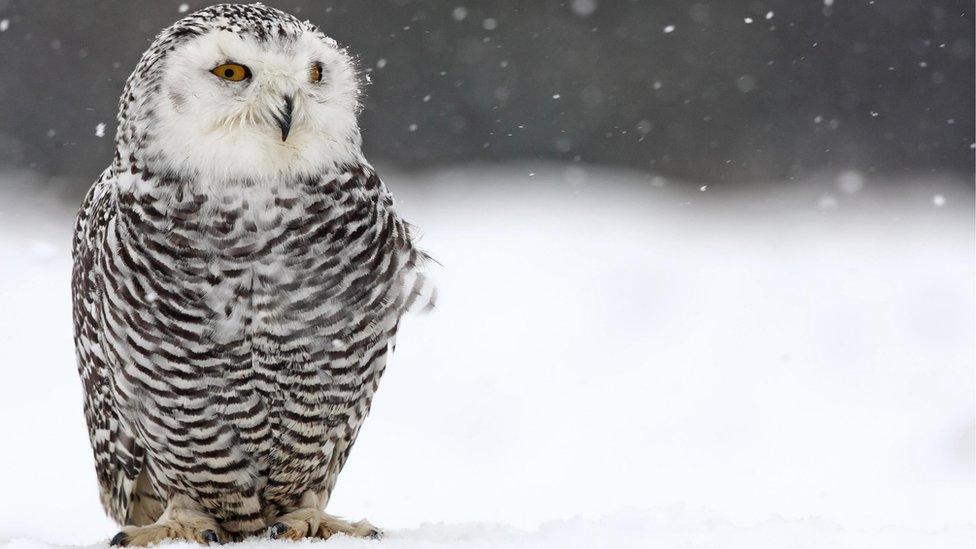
{"points": [[283, 117]]}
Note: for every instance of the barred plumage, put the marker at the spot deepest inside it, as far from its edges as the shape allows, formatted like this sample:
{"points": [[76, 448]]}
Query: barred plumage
{"points": [[235, 306]]}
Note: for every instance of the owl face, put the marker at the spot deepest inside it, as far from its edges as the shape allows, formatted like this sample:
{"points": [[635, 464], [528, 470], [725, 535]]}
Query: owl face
{"points": [[232, 103]]}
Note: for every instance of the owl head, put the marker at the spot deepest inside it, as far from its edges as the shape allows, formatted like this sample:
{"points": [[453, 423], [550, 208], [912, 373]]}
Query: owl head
{"points": [[240, 92]]}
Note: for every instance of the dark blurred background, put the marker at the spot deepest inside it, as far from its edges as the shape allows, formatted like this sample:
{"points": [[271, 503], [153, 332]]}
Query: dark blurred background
{"points": [[717, 92]]}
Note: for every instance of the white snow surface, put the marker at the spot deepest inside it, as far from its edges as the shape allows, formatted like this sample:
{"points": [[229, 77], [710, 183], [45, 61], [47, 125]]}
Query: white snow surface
{"points": [[611, 364]]}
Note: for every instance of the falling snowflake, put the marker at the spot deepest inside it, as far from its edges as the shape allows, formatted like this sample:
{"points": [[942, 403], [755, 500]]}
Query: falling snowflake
{"points": [[4, 24], [850, 182], [669, 29], [459, 13], [938, 200], [583, 8], [827, 202], [100, 129], [745, 83]]}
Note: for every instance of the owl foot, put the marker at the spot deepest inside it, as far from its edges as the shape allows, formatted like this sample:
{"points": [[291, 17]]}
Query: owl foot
{"points": [[313, 523], [180, 523]]}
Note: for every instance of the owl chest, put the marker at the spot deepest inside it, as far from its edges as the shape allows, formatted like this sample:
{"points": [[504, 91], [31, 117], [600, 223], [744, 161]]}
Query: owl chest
{"points": [[267, 285], [264, 276], [288, 278]]}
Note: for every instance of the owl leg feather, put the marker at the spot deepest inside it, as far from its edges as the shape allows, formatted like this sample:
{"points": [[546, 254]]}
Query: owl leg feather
{"points": [[308, 521], [182, 520]]}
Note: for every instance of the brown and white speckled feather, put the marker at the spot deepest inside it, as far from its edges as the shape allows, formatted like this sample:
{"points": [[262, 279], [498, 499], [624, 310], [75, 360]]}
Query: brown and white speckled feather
{"points": [[232, 322]]}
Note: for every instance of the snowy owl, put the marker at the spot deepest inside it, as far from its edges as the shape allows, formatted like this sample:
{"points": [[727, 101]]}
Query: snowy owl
{"points": [[239, 277]]}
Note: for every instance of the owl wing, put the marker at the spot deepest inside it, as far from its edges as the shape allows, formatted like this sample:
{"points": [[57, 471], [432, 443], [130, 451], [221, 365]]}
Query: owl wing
{"points": [[118, 456], [392, 282], [412, 288]]}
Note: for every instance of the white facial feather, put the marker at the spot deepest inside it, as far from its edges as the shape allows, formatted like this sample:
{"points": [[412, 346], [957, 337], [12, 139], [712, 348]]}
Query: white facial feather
{"points": [[217, 130]]}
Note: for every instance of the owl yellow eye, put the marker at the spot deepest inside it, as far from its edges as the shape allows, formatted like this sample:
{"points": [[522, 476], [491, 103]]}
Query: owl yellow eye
{"points": [[232, 72], [315, 74]]}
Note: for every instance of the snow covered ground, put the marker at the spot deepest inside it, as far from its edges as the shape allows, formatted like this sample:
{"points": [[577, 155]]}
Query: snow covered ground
{"points": [[614, 363]]}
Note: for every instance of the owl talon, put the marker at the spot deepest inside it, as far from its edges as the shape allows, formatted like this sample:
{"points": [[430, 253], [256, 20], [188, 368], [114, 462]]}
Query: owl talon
{"points": [[182, 520], [311, 522], [276, 529]]}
